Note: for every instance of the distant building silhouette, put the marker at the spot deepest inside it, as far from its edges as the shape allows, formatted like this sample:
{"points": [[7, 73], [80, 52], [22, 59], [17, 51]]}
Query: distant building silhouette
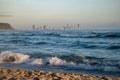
{"points": [[33, 27], [64, 28], [78, 26], [44, 27]]}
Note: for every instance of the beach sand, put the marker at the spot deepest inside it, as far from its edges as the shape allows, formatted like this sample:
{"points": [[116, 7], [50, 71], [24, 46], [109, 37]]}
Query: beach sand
{"points": [[8, 74]]}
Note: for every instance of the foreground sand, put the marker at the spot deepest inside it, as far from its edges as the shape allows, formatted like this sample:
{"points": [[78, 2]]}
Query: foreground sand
{"points": [[7, 74]]}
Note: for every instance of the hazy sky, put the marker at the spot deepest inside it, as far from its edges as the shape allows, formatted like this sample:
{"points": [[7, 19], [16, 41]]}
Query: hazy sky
{"points": [[23, 13]]}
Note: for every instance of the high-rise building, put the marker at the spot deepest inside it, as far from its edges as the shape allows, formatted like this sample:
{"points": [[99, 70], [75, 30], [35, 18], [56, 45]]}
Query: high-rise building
{"points": [[33, 27]]}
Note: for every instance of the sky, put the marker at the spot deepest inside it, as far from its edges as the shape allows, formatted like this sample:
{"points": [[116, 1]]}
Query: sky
{"points": [[90, 14]]}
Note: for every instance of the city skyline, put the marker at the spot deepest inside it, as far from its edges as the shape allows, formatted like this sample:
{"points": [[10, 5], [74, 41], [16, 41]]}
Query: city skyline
{"points": [[90, 14]]}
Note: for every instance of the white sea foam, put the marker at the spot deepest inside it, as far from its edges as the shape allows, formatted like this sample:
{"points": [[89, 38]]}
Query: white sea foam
{"points": [[57, 61], [8, 56], [49, 61], [37, 62], [11, 57]]}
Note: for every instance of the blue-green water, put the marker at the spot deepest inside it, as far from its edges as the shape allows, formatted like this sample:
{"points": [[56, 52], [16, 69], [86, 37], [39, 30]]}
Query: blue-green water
{"points": [[65, 51]]}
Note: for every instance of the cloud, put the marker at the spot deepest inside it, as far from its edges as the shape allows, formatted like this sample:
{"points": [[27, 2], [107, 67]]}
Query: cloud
{"points": [[3, 15]]}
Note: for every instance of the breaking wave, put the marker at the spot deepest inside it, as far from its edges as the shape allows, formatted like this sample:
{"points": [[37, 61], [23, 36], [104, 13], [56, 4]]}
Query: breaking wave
{"points": [[11, 57], [71, 62]]}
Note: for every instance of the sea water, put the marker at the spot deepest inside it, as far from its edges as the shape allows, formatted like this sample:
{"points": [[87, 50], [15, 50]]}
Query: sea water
{"points": [[66, 51]]}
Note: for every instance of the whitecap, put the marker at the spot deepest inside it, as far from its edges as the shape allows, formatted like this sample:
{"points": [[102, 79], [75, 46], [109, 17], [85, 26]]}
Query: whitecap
{"points": [[11, 57], [58, 61]]}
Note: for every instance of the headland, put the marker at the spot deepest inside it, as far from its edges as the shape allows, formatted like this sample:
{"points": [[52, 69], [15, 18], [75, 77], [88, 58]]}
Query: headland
{"points": [[6, 26]]}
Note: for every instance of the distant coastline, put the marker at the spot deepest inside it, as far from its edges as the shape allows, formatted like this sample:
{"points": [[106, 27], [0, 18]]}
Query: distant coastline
{"points": [[6, 26]]}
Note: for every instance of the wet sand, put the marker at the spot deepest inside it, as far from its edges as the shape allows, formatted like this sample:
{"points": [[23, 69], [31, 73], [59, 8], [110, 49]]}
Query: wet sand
{"points": [[8, 74]]}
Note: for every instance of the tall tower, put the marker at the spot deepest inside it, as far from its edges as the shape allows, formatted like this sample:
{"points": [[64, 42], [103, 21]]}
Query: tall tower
{"points": [[44, 27], [78, 26], [33, 27]]}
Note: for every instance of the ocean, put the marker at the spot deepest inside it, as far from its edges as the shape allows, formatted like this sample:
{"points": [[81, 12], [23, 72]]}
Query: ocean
{"points": [[91, 52]]}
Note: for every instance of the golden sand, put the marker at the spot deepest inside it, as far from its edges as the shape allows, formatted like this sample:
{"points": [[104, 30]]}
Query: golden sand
{"points": [[7, 74]]}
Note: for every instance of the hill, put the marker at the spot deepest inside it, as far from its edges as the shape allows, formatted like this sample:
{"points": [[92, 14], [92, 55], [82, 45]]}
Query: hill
{"points": [[5, 26]]}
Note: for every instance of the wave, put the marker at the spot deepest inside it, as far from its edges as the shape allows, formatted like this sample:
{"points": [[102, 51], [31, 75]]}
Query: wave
{"points": [[67, 34], [84, 45], [114, 47], [74, 62], [11, 57], [94, 45], [89, 45], [53, 34], [85, 35], [18, 41], [22, 34], [41, 43], [77, 43], [112, 35], [26, 42]]}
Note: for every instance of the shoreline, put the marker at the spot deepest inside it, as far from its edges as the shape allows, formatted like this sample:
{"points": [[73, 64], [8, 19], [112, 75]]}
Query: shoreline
{"points": [[18, 74]]}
